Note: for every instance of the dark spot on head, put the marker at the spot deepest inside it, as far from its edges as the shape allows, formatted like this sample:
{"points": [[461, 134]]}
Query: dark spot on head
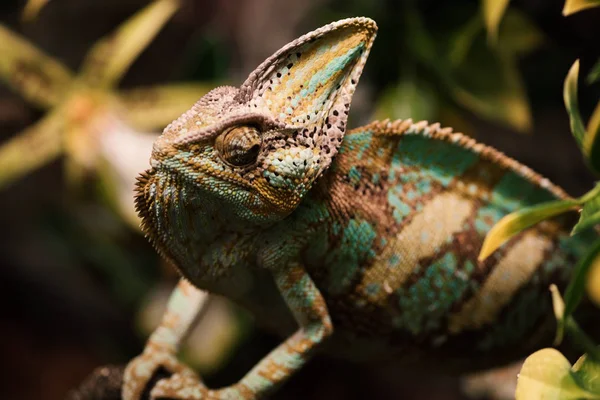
{"points": [[290, 65], [298, 55], [279, 74]]}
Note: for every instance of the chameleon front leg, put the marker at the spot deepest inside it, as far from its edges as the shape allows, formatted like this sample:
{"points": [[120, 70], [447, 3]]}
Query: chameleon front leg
{"points": [[309, 308], [183, 307]]}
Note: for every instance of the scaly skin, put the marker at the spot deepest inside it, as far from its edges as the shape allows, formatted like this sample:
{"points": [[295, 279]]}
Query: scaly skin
{"points": [[255, 194]]}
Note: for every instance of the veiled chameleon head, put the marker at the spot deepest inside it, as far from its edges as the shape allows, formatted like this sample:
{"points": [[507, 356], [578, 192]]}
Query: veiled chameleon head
{"points": [[260, 147]]}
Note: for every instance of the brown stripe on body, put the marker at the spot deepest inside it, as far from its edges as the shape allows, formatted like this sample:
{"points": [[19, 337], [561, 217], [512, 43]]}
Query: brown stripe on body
{"points": [[447, 218]]}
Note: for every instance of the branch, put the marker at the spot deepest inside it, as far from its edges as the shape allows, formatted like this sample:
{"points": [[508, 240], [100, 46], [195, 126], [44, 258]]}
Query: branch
{"points": [[104, 383]]}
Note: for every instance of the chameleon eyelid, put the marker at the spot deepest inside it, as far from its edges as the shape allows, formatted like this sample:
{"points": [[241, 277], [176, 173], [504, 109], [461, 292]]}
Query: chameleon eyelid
{"points": [[263, 121]]}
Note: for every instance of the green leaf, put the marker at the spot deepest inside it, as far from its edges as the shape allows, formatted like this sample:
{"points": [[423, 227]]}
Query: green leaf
{"points": [[410, 98], [575, 291], [486, 79], [593, 282], [518, 35], [156, 106], [566, 322], [572, 105], [520, 220], [37, 77], [110, 58], [493, 10], [591, 144], [594, 74], [573, 6], [590, 215], [546, 374], [587, 372]]}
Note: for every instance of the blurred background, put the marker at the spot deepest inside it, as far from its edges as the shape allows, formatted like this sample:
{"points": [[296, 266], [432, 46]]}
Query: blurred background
{"points": [[80, 286]]}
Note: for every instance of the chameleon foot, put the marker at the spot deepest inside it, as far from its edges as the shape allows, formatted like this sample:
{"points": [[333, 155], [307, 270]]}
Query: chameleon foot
{"points": [[181, 387], [141, 369]]}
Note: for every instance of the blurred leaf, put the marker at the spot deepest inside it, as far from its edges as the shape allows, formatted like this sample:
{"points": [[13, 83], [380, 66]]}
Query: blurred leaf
{"points": [[593, 282], [157, 106], [518, 35], [590, 215], [558, 305], [591, 144], [408, 99], [573, 6], [502, 99], [566, 322], [32, 9], [520, 220], [493, 10], [110, 58], [575, 291], [486, 80], [587, 370], [32, 148], [37, 77], [594, 74], [572, 105], [546, 374], [461, 43]]}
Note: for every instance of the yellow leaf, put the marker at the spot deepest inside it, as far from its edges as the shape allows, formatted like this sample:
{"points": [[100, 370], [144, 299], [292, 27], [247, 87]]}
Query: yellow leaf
{"points": [[546, 374], [493, 10], [573, 6], [155, 107], [30, 149], [32, 9], [110, 58], [591, 144], [558, 305], [520, 220], [593, 282], [572, 104], [37, 77]]}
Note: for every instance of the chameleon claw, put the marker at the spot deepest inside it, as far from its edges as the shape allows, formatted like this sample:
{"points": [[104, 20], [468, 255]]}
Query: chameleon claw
{"points": [[141, 369]]}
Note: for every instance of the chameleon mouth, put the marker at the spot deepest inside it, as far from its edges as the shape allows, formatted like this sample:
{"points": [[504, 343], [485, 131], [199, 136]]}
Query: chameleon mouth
{"points": [[145, 194]]}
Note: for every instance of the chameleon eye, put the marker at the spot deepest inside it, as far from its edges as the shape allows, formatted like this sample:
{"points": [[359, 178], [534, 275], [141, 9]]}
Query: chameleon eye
{"points": [[239, 146]]}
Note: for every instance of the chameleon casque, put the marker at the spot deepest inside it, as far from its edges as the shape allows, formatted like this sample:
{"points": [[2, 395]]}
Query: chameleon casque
{"points": [[364, 243]]}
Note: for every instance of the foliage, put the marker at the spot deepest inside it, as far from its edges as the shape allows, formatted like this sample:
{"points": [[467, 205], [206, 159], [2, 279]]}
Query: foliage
{"points": [[547, 373], [573, 6], [470, 72], [80, 107]]}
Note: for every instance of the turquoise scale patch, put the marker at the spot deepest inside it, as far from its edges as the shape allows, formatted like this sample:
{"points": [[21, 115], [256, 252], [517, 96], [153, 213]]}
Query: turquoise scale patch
{"points": [[424, 305], [514, 192], [436, 160], [356, 246]]}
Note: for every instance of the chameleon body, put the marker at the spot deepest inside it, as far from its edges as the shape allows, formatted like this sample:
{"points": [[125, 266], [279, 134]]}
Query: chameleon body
{"points": [[362, 244]]}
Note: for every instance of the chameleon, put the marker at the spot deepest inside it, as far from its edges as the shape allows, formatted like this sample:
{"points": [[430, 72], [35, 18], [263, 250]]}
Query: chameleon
{"points": [[360, 243]]}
